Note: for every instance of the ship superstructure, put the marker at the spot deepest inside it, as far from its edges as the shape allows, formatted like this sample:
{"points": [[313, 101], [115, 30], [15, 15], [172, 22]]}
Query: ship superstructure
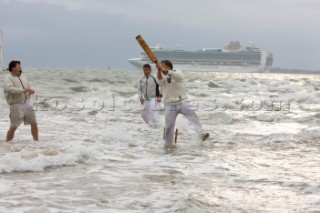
{"points": [[232, 58]]}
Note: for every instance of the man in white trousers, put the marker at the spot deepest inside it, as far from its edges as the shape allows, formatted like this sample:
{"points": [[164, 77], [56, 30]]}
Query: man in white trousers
{"points": [[150, 97], [175, 101]]}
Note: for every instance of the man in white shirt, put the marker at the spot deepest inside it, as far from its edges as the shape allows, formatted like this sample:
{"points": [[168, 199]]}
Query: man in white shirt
{"points": [[150, 97], [175, 96]]}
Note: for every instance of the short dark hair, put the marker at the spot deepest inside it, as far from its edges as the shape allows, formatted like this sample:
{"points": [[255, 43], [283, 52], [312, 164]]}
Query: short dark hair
{"points": [[147, 66], [13, 64], [167, 63]]}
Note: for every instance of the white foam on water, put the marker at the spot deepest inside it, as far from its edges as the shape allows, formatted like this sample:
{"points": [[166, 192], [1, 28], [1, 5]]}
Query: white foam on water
{"points": [[95, 153]]}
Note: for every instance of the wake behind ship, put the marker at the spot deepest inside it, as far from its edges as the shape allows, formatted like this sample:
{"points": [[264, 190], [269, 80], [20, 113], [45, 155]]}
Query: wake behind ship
{"points": [[232, 58]]}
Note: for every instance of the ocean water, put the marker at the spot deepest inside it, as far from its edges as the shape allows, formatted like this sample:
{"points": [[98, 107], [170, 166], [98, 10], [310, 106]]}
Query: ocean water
{"points": [[97, 155]]}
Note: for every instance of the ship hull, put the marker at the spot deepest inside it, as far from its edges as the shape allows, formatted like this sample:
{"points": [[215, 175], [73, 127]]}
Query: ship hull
{"points": [[138, 63]]}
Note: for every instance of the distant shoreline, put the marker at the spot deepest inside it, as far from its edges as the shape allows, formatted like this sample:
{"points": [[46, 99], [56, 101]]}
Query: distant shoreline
{"points": [[273, 70], [294, 71]]}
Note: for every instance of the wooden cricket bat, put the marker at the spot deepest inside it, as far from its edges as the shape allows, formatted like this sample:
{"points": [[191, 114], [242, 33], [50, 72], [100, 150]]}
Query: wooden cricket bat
{"points": [[146, 49]]}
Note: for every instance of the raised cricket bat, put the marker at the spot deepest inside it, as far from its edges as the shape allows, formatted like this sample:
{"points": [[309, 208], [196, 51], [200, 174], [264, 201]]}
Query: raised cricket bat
{"points": [[146, 49]]}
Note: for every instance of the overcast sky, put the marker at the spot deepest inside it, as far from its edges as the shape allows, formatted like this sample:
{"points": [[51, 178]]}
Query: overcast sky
{"points": [[101, 33]]}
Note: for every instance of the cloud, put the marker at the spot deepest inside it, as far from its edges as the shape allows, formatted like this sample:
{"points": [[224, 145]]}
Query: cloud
{"points": [[200, 13], [108, 27]]}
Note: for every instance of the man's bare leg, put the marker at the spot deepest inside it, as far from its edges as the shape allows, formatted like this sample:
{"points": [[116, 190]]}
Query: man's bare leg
{"points": [[34, 132], [10, 133]]}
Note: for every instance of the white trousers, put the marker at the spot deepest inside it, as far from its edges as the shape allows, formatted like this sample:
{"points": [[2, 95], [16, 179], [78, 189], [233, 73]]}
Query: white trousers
{"points": [[171, 113], [150, 112]]}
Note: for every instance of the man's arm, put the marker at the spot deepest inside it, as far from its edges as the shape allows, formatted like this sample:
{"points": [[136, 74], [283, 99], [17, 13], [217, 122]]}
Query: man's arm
{"points": [[140, 92], [159, 74], [8, 86]]}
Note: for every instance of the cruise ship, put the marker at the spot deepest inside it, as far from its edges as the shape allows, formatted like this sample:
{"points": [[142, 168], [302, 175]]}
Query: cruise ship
{"points": [[232, 58]]}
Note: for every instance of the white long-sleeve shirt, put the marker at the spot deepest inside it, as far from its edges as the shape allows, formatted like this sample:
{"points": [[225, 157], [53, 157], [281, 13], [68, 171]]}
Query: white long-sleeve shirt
{"points": [[173, 87]]}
